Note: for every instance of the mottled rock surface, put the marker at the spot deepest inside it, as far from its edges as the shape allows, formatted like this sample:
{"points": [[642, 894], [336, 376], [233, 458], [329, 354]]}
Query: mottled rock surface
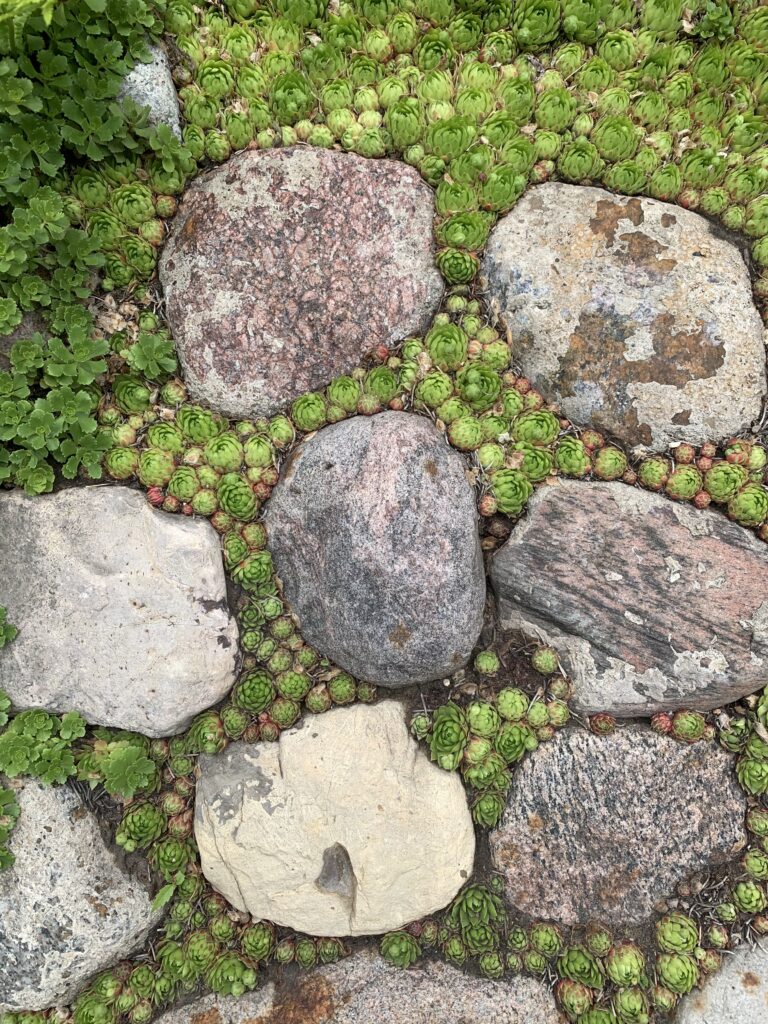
{"points": [[633, 315], [67, 909], [121, 610], [651, 604], [285, 266], [737, 994], [373, 529], [151, 85], [343, 827], [363, 989], [601, 828]]}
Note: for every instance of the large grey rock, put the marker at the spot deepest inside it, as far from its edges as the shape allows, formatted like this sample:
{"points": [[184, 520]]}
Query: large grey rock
{"points": [[363, 989], [343, 827], [631, 314], [602, 827], [285, 266], [151, 85], [67, 909], [121, 610], [651, 605], [737, 994], [374, 533]]}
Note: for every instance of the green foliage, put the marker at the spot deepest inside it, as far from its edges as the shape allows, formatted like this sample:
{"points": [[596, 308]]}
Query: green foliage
{"points": [[153, 356], [120, 761], [48, 403], [39, 744], [7, 633]]}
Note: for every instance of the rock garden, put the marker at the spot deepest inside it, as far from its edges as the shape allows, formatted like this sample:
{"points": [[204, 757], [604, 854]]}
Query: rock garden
{"points": [[383, 512]]}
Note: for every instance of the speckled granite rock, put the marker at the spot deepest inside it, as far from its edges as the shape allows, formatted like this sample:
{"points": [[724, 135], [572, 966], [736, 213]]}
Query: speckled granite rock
{"points": [[151, 85], [737, 994], [631, 314], [651, 604], [285, 266], [67, 909], [121, 610], [364, 990], [600, 828], [343, 827], [374, 533]]}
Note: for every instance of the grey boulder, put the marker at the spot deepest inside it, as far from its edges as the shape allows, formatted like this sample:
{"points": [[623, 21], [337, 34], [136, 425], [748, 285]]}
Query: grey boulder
{"points": [[121, 610], [633, 315], [151, 85], [651, 604], [373, 529], [67, 908], [737, 994], [599, 828]]}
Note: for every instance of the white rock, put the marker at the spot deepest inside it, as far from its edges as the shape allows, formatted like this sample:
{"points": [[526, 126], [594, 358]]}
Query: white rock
{"points": [[121, 610], [737, 994], [151, 85], [67, 909], [343, 827]]}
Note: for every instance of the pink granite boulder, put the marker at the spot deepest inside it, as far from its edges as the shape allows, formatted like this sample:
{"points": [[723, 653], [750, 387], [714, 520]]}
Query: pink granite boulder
{"points": [[283, 268]]}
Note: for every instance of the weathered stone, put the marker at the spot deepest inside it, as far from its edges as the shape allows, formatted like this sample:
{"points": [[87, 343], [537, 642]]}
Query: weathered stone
{"points": [[363, 989], [633, 315], [343, 827], [67, 909], [373, 529], [121, 610], [737, 994], [285, 266], [151, 85], [651, 605], [602, 827]]}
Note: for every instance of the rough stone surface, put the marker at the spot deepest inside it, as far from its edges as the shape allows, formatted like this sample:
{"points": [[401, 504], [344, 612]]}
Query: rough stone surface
{"points": [[373, 529], [121, 610], [151, 85], [633, 315], [67, 909], [363, 989], [343, 827], [600, 828], [285, 266], [651, 605], [737, 994]]}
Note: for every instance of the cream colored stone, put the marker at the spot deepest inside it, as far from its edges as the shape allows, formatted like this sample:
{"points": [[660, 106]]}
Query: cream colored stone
{"points": [[343, 827]]}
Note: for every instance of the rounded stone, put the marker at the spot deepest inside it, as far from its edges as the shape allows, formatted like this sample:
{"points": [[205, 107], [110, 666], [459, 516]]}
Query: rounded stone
{"points": [[67, 908], [364, 989], [151, 85], [121, 610], [342, 827], [284, 267], [373, 529], [601, 828], [651, 604], [633, 315], [737, 994]]}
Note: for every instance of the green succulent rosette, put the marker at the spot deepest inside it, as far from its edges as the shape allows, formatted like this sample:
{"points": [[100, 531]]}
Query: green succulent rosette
{"points": [[482, 719], [184, 483], [155, 467], [631, 1006], [514, 740], [457, 266], [749, 505], [571, 457], [478, 386], [537, 427], [488, 808], [447, 346], [724, 480], [578, 964], [140, 826], [625, 965], [574, 998], [236, 497], [684, 483], [121, 463], [546, 939], [466, 433], [677, 972], [538, 463], [449, 736], [224, 452], [400, 949]]}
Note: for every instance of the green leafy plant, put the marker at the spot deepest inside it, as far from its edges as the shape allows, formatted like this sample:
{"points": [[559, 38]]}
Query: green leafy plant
{"points": [[39, 744], [7, 633]]}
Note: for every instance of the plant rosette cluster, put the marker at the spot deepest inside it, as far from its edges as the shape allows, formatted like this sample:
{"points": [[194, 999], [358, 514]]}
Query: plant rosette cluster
{"points": [[485, 739]]}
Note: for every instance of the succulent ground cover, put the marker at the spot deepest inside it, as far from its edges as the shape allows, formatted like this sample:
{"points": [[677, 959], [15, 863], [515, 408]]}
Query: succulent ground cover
{"points": [[483, 99]]}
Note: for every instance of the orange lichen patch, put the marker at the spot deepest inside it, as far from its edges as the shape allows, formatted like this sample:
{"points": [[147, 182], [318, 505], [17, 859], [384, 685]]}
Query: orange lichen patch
{"points": [[643, 251], [609, 214], [313, 1001], [211, 1016], [430, 467], [750, 980], [400, 635]]}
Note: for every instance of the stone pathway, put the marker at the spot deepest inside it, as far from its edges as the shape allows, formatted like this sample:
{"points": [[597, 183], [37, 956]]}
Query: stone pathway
{"points": [[453, 710]]}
